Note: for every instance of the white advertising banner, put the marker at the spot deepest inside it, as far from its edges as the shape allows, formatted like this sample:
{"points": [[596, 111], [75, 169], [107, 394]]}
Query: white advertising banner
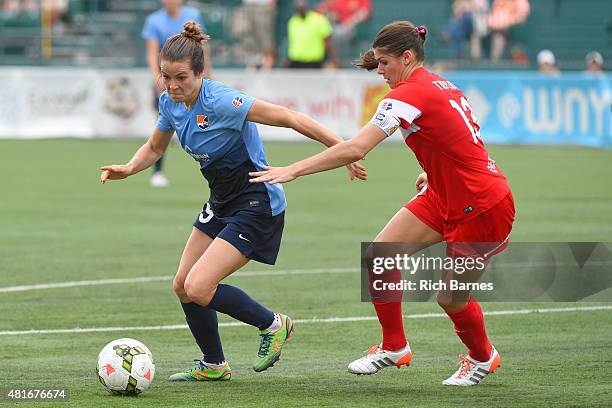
{"points": [[520, 108], [54, 102], [333, 98]]}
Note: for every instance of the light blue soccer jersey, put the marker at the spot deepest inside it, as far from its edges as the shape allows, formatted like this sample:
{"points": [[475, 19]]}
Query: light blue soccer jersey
{"points": [[160, 26], [227, 147]]}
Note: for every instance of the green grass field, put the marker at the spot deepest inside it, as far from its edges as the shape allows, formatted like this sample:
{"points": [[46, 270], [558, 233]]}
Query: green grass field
{"points": [[58, 224]]}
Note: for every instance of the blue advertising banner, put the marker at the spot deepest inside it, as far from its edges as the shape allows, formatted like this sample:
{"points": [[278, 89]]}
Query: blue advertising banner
{"points": [[530, 108]]}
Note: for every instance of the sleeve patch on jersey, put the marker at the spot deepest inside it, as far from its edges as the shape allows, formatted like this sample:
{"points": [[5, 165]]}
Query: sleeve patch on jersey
{"points": [[385, 122], [402, 110], [237, 102]]}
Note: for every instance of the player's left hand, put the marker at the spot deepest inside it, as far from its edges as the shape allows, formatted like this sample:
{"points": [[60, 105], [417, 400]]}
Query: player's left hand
{"points": [[357, 170], [273, 175]]}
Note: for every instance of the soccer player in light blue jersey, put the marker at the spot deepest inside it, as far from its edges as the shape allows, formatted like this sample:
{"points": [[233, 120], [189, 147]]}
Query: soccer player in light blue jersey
{"points": [[158, 28], [241, 221]]}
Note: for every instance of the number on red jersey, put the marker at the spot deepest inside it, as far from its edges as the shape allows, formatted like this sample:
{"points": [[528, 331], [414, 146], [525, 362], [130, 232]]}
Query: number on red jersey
{"points": [[472, 122]]}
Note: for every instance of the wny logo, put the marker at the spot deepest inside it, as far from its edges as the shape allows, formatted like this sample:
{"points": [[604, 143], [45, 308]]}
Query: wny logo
{"points": [[202, 121]]}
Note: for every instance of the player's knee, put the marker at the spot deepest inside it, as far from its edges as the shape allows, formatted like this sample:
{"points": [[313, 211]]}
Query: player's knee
{"points": [[450, 303], [178, 285], [444, 300], [201, 293]]}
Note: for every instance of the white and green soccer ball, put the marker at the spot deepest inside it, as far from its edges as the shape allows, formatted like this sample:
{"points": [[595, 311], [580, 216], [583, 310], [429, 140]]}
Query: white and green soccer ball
{"points": [[125, 367]]}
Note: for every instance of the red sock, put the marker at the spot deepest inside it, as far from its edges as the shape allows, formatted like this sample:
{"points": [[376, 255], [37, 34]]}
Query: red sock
{"points": [[390, 318], [388, 305], [470, 327]]}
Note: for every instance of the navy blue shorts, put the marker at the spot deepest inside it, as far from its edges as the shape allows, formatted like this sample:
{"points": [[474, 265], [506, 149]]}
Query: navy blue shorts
{"points": [[258, 237]]}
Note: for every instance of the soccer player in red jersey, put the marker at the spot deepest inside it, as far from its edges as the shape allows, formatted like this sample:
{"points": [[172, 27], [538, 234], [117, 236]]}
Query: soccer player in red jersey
{"points": [[463, 197]]}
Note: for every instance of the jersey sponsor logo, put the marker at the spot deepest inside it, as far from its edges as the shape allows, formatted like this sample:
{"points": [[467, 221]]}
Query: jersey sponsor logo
{"points": [[202, 121], [237, 102], [387, 105], [197, 157], [242, 237]]}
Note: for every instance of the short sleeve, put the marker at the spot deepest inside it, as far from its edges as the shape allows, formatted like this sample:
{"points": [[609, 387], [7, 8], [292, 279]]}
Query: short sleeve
{"points": [[148, 30], [163, 120], [391, 114], [403, 111], [232, 107]]}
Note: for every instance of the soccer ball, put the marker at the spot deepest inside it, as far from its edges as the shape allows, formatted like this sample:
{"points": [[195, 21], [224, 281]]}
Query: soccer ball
{"points": [[125, 367]]}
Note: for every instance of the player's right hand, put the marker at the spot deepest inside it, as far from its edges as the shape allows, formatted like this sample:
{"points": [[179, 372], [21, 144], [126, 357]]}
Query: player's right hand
{"points": [[114, 172], [421, 182], [357, 170]]}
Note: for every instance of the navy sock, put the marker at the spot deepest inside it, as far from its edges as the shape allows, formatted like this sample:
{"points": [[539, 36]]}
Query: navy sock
{"points": [[236, 303], [159, 164], [202, 322]]}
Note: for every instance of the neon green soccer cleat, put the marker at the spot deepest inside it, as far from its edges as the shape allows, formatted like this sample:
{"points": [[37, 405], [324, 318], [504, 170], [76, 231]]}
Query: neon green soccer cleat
{"points": [[272, 344], [203, 372]]}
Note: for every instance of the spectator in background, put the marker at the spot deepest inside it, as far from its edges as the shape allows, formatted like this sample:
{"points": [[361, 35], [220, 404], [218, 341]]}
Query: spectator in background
{"points": [[345, 16], [159, 26], [547, 63], [504, 15], [460, 27], [480, 11], [18, 6], [55, 9], [594, 63], [309, 38], [259, 17]]}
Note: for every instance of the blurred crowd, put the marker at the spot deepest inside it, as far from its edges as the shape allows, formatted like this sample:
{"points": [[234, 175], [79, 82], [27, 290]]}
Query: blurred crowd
{"points": [[547, 63], [499, 24], [473, 21], [314, 35], [322, 33]]}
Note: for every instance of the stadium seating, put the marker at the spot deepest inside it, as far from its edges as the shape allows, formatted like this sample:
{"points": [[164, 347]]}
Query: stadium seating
{"points": [[107, 32]]}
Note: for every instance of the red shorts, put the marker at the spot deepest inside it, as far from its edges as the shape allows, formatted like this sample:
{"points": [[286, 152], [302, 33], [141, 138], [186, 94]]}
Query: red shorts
{"points": [[485, 235]]}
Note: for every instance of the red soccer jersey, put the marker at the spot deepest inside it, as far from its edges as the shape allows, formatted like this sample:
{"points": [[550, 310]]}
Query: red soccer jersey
{"points": [[438, 124]]}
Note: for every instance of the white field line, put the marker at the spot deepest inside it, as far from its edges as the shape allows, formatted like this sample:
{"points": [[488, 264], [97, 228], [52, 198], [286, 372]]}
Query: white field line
{"points": [[118, 281], [313, 320], [245, 274]]}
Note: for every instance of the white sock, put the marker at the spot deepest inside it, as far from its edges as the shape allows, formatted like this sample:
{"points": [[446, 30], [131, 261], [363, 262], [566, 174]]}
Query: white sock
{"points": [[214, 366], [276, 323]]}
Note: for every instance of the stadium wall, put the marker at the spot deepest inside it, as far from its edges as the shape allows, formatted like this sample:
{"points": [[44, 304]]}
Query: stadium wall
{"points": [[517, 108]]}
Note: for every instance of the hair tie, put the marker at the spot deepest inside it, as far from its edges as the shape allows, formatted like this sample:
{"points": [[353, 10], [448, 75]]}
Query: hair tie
{"points": [[420, 30]]}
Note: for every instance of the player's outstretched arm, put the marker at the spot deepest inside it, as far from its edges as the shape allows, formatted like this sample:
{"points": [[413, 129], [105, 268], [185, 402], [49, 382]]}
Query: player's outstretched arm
{"points": [[144, 157], [334, 157], [274, 115]]}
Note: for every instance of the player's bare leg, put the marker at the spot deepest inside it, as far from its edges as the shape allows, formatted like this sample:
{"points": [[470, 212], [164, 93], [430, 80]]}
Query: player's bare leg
{"points": [[203, 285], [197, 243], [201, 320]]}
